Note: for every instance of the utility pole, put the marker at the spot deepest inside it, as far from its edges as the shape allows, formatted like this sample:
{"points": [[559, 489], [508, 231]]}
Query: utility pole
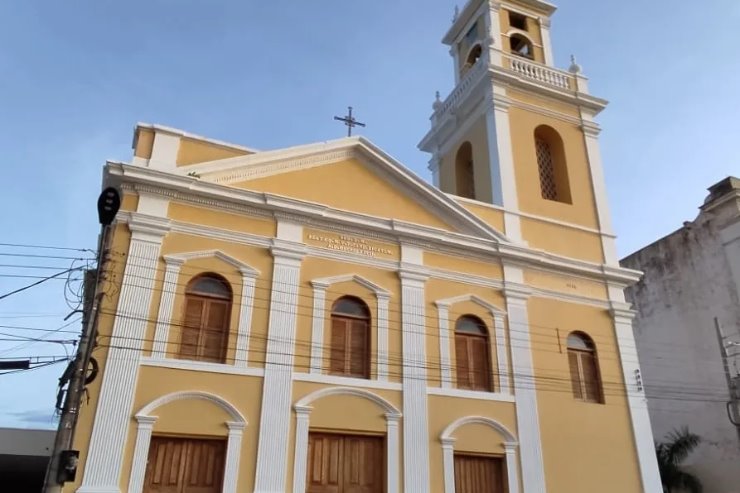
{"points": [[733, 409], [63, 462]]}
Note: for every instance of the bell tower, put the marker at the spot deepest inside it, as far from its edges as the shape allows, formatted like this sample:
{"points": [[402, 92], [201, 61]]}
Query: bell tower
{"points": [[516, 134]]}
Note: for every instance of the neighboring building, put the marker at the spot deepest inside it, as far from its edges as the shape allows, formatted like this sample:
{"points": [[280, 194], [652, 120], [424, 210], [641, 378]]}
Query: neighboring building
{"points": [[692, 276], [320, 319], [24, 455]]}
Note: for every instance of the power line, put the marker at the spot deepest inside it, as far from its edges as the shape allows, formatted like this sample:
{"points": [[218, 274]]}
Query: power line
{"points": [[45, 247], [29, 286]]}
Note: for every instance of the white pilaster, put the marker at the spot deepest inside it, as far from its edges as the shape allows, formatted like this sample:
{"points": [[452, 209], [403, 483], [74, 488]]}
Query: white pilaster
{"points": [[301, 449], [443, 320], [233, 452], [502, 353], [501, 157], [382, 322], [643, 434], [249, 279], [591, 136], [274, 436], [317, 328], [113, 413], [434, 168], [511, 467], [533, 474], [392, 452], [448, 463], [164, 151], [546, 43], [493, 27], [141, 452], [415, 426], [166, 305]]}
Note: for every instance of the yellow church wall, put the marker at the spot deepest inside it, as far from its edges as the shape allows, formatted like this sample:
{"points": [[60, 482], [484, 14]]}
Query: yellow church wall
{"points": [[565, 284], [193, 151], [582, 211], [477, 137], [221, 219], [119, 247], [444, 411], [347, 185], [494, 217], [129, 202], [192, 418], [454, 263], [562, 240], [545, 103], [342, 414], [144, 143], [608, 464], [258, 258], [314, 268]]}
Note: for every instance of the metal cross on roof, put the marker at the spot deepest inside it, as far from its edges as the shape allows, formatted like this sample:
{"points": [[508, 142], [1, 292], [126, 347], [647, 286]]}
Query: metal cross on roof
{"points": [[350, 121]]}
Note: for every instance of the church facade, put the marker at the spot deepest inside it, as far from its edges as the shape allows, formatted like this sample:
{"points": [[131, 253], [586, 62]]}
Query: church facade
{"points": [[272, 327]]}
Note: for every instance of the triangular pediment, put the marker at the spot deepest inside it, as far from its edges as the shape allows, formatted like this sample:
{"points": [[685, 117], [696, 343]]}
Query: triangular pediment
{"points": [[350, 174]]}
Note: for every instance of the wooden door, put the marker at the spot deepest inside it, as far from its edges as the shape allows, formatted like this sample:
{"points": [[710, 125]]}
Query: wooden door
{"points": [[179, 465], [344, 464], [478, 474]]}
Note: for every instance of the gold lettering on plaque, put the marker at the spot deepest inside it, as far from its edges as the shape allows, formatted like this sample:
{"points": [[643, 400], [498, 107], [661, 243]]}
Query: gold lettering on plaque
{"points": [[351, 244]]}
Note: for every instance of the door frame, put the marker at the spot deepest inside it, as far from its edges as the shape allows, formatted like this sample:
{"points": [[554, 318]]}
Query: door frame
{"points": [[145, 425], [356, 434]]}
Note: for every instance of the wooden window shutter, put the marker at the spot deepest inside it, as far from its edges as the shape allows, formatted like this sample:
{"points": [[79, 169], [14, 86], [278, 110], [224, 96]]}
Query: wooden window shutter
{"points": [[190, 335], [462, 362], [575, 374], [338, 353], [591, 383], [215, 331], [474, 474], [358, 357], [479, 357]]}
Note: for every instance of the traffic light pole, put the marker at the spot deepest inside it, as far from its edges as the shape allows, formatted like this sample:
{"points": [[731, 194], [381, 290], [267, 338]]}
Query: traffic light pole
{"points": [[63, 462]]}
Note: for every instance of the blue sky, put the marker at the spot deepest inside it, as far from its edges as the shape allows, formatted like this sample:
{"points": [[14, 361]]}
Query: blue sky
{"points": [[77, 75]]}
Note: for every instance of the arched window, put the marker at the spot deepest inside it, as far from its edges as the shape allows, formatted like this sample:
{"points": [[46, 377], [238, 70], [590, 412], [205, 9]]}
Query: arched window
{"points": [[350, 338], [474, 55], [584, 368], [471, 354], [521, 46], [464, 173], [205, 330], [551, 165]]}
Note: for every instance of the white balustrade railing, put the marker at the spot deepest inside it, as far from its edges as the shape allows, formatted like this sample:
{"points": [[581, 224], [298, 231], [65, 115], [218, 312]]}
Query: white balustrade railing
{"points": [[542, 73]]}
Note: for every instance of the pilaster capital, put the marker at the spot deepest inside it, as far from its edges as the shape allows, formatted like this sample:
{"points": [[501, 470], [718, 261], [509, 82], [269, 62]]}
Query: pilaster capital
{"points": [[510, 446], [173, 262], [494, 5], [413, 274], [287, 251], [235, 426], [145, 421], [302, 411], [515, 292], [319, 285], [148, 228], [591, 129], [544, 22], [392, 418], [447, 441], [622, 312]]}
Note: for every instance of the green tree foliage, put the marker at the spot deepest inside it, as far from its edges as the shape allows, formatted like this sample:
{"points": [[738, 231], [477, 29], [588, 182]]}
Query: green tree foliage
{"points": [[675, 448]]}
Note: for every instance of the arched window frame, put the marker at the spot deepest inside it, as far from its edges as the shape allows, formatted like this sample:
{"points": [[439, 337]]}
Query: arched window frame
{"points": [[465, 171], [552, 165], [583, 361], [349, 338], [473, 371], [520, 36], [209, 345]]}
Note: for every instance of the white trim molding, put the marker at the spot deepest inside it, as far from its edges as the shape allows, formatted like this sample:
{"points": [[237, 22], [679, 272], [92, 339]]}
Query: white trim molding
{"points": [[497, 339], [320, 312], [145, 424], [392, 416], [509, 443]]}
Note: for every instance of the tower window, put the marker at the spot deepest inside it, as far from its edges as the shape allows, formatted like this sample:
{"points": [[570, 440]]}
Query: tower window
{"points": [[205, 329], [551, 165], [521, 46], [464, 171], [518, 21], [473, 56], [584, 368]]}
